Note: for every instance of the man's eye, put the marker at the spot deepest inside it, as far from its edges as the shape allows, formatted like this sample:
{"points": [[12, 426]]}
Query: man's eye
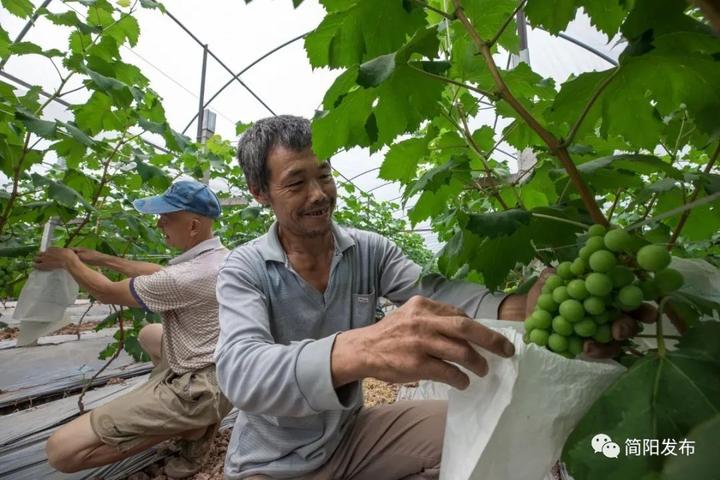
{"points": [[294, 184]]}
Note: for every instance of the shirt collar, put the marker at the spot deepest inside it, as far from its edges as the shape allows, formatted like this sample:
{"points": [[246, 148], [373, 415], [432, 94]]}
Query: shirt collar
{"points": [[202, 247], [271, 249]]}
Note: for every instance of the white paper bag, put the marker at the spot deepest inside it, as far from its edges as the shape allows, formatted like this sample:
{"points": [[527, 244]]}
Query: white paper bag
{"points": [[42, 304], [512, 423]]}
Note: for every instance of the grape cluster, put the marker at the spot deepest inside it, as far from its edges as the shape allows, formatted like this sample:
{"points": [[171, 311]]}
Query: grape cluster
{"points": [[582, 299]]}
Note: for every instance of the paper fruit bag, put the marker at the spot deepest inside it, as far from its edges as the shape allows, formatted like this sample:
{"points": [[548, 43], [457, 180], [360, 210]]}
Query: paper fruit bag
{"points": [[512, 423], [42, 304]]}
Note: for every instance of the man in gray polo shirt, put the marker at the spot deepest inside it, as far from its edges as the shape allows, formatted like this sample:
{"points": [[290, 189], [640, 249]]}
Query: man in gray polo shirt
{"points": [[297, 331]]}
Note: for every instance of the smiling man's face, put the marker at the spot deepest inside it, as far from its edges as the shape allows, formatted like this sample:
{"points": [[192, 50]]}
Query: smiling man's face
{"points": [[301, 191]]}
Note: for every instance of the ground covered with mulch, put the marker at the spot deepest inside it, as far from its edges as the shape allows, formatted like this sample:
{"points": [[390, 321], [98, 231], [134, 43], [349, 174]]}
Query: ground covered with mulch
{"points": [[375, 392], [10, 333]]}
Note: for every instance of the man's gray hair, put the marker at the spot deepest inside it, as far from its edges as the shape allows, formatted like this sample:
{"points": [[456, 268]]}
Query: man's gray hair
{"points": [[256, 143]]}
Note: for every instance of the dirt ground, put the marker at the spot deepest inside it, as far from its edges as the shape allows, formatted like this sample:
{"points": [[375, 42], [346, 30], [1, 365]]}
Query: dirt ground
{"points": [[9, 333], [376, 393]]}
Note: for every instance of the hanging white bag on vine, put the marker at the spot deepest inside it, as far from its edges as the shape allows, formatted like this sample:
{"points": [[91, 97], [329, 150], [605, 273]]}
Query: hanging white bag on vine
{"points": [[513, 423], [43, 302]]}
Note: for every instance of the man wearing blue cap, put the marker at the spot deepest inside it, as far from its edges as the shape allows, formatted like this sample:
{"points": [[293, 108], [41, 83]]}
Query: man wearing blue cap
{"points": [[181, 398]]}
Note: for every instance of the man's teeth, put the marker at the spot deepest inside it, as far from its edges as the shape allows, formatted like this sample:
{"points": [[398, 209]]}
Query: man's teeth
{"points": [[317, 213]]}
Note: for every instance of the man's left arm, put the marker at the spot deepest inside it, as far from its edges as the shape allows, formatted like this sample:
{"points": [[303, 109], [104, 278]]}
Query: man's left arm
{"points": [[95, 283]]}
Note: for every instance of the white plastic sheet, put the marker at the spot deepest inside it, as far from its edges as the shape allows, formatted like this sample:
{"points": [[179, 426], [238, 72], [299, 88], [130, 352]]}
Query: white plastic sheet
{"points": [[42, 305], [512, 423]]}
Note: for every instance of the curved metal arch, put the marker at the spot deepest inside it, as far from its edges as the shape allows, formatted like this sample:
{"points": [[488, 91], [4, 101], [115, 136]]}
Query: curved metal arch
{"points": [[237, 76]]}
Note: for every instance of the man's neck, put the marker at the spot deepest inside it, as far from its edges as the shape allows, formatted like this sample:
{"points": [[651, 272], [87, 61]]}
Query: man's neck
{"points": [[197, 241], [315, 246]]}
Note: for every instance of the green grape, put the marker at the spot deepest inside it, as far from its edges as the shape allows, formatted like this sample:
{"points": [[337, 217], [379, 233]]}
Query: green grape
{"points": [[529, 324], [650, 289], [578, 266], [594, 305], [564, 270], [557, 343], [554, 281], [546, 302], [618, 240], [603, 334], [602, 261], [594, 244], [621, 275], [539, 337], [598, 284], [541, 319], [572, 310], [585, 328], [584, 253], [575, 345], [668, 280], [653, 258], [630, 297], [577, 289], [560, 294], [602, 318], [566, 354], [562, 326], [597, 230]]}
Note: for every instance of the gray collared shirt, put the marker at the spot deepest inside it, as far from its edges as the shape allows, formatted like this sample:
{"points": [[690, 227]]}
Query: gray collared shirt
{"points": [[276, 336]]}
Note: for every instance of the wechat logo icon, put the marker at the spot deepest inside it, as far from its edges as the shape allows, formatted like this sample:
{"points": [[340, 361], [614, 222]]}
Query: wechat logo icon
{"points": [[602, 443]]}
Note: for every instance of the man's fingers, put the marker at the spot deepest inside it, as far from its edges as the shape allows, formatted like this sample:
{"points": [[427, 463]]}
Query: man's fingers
{"points": [[457, 351], [464, 328], [593, 349], [439, 371], [624, 328]]}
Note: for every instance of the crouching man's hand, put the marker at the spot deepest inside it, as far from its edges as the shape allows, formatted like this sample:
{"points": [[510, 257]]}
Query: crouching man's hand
{"points": [[417, 341]]}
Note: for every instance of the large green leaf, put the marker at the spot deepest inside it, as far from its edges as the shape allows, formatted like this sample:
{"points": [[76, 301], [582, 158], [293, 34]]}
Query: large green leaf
{"points": [[19, 8], [659, 397], [358, 31], [704, 462], [402, 159]]}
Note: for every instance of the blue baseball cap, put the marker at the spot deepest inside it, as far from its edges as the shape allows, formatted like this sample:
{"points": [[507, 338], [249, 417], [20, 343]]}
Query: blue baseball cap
{"points": [[185, 195]]}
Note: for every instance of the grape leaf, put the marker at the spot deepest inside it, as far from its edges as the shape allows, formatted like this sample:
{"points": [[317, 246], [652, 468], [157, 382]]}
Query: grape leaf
{"points": [[667, 395], [357, 31], [704, 460], [19, 8], [402, 159]]}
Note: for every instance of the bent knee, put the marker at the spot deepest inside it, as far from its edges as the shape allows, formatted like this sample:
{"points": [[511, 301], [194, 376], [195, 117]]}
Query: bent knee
{"points": [[58, 455], [150, 337]]}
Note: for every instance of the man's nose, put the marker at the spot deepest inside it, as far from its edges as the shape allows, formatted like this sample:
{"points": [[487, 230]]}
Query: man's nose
{"points": [[316, 191]]}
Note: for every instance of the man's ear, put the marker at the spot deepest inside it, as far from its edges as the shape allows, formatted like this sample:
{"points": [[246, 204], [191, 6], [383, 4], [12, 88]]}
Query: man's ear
{"points": [[261, 197]]}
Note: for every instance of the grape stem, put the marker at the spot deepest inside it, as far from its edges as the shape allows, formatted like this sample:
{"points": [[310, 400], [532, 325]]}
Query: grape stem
{"points": [[563, 220], [659, 328]]}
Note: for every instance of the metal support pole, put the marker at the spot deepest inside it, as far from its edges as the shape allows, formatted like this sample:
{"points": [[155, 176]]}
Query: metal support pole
{"points": [[523, 55], [202, 94]]}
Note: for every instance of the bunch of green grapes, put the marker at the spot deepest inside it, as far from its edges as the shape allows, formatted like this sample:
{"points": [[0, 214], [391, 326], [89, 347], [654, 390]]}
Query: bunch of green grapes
{"points": [[583, 298]]}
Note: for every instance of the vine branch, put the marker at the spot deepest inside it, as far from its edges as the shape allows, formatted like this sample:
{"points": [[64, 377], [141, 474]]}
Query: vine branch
{"points": [[445, 79], [506, 23], [696, 193], [598, 91], [555, 147], [436, 10], [121, 346]]}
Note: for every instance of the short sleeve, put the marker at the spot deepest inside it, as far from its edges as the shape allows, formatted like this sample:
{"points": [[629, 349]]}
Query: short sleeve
{"points": [[158, 292]]}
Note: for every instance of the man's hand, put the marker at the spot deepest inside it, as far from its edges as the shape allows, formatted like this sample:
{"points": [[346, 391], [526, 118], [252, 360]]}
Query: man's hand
{"points": [[54, 258], [418, 341], [622, 328], [90, 256]]}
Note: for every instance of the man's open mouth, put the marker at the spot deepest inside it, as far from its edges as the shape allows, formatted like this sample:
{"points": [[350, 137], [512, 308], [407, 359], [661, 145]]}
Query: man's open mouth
{"points": [[318, 212]]}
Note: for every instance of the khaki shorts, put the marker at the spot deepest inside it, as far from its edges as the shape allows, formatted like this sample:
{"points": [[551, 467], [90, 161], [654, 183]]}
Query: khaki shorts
{"points": [[168, 404]]}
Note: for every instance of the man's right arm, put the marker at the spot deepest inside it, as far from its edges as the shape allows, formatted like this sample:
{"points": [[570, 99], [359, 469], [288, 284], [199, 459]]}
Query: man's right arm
{"points": [[129, 268]]}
